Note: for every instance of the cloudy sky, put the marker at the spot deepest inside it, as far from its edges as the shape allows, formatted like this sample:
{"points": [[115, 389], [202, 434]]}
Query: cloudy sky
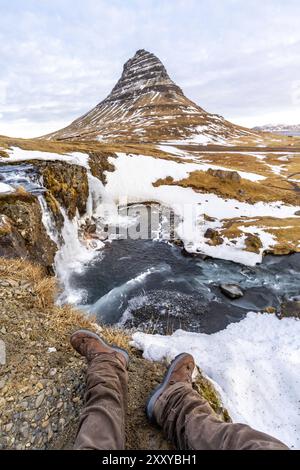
{"points": [[58, 58]]}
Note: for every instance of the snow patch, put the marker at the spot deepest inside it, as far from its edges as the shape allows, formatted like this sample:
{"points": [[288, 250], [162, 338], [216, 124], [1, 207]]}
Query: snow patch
{"points": [[19, 155]]}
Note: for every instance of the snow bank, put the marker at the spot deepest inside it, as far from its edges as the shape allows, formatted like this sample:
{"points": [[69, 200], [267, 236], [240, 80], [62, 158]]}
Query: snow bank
{"points": [[19, 155], [255, 364], [6, 188]]}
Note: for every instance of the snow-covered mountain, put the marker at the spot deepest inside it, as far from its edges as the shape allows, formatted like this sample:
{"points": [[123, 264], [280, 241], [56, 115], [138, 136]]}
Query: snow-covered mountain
{"points": [[147, 106], [293, 129]]}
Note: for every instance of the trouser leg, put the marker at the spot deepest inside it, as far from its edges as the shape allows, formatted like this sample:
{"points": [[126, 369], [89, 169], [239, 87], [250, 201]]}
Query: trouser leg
{"points": [[190, 423], [102, 423]]}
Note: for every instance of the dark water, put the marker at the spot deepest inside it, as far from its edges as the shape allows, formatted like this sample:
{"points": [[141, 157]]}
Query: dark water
{"points": [[152, 285]]}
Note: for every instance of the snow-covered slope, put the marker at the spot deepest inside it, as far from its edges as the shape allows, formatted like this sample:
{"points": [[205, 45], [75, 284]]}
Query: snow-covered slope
{"points": [[147, 106]]}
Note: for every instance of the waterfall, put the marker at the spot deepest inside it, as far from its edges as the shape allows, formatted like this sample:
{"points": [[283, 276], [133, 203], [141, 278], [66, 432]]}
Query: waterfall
{"points": [[72, 257]]}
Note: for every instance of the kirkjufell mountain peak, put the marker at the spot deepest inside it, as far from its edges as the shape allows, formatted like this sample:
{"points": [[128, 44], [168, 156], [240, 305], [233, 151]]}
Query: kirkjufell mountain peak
{"points": [[143, 73], [146, 105]]}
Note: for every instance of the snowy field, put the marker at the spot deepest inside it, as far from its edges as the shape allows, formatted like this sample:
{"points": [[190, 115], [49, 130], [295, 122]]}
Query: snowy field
{"points": [[255, 365], [133, 179]]}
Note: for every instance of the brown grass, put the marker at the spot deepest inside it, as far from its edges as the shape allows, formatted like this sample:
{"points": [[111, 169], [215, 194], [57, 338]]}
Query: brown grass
{"points": [[243, 190], [20, 270], [44, 288], [286, 231]]}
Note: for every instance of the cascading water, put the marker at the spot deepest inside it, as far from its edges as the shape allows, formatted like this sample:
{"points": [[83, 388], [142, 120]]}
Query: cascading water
{"points": [[76, 249], [47, 220], [76, 252]]}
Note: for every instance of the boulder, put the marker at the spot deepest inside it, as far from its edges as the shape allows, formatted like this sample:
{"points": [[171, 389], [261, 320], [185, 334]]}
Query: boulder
{"points": [[233, 291], [270, 309], [214, 237], [225, 175], [253, 243]]}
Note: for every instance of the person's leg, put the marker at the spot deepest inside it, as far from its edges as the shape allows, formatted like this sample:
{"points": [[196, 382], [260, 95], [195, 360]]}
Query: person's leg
{"points": [[102, 422], [189, 421]]}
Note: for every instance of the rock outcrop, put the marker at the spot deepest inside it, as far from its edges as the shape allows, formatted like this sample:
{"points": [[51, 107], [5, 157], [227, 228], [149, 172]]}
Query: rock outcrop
{"points": [[225, 175], [253, 243], [68, 184], [291, 308], [213, 236]]}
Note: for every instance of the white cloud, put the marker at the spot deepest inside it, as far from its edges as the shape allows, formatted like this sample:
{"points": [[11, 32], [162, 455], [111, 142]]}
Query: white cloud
{"points": [[233, 57], [28, 128]]}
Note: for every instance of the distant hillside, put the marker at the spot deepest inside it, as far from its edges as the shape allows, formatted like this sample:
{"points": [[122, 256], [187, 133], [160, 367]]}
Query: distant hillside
{"points": [[282, 129]]}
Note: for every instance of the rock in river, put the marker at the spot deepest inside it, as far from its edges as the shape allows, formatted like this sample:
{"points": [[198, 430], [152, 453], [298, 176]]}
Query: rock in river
{"points": [[232, 291]]}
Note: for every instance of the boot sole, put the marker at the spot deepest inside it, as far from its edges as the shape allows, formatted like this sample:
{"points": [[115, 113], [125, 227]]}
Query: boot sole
{"points": [[101, 340], [160, 389]]}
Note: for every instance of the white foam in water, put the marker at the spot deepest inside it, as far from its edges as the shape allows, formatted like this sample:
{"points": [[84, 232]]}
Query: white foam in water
{"points": [[133, 304]]}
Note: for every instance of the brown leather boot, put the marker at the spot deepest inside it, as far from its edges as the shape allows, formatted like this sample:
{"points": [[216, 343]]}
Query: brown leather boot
{"points": [[180, 370], [90, 345]]}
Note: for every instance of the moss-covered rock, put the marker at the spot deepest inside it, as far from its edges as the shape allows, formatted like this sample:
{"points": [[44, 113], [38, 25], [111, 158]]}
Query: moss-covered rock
{"points": [[207, 391], [99, 164], [253, 243], [22, 233], [68, 184]]}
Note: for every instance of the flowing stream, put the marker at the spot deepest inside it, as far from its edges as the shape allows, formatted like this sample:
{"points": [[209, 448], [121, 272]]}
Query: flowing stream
{"points": [[149, 283]]}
